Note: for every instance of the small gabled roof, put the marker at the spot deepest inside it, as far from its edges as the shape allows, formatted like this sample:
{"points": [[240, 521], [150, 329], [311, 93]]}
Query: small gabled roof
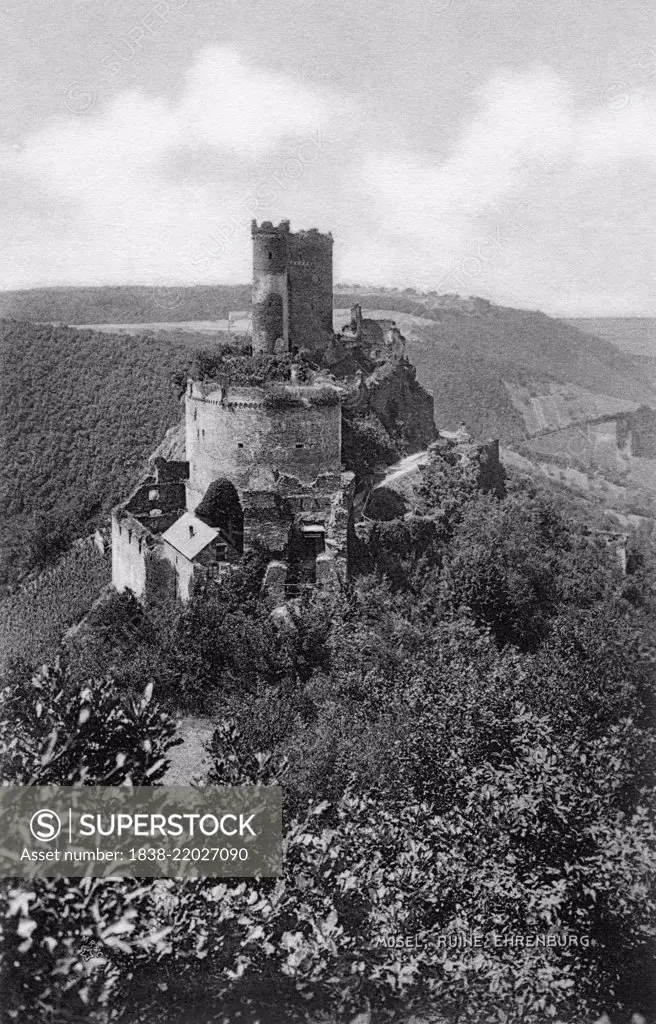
{"points": [[190, 535]]}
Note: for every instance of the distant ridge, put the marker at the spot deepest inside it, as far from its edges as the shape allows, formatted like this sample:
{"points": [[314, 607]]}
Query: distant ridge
{"points": [[631, 334]]}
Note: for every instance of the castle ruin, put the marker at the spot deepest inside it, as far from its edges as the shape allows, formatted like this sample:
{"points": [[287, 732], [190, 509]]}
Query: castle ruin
{"points": [[292, 289], [272, 457], [262, 465]]}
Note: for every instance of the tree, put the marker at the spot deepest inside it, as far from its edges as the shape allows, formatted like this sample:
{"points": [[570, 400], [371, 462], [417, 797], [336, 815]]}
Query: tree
{"points": [[366, 445], [220, 507], [55, 731]]}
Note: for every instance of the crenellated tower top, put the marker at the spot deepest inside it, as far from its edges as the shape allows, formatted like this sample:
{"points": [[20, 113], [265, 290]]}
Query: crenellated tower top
{"points": [[292, 288]]}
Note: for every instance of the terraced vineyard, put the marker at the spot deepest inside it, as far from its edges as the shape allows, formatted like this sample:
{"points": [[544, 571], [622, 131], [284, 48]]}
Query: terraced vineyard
{"points": [[33, 619]]}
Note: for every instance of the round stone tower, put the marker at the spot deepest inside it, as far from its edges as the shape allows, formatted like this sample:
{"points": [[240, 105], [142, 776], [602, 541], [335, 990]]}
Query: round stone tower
{"points": [[270, 287]]}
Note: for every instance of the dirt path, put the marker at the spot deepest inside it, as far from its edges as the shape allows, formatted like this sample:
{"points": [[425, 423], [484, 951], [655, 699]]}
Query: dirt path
{"points": [[189, 761]]}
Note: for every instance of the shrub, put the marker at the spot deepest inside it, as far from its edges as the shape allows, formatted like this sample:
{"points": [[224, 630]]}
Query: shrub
{"points": [[55, 732], [366, 446]]}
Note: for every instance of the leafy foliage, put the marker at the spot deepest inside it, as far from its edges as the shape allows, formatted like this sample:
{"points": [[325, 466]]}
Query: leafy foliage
{"points": [[466, 742], [533, 840], [220, 506], [366, 446], [228, 368], [55, 731]]}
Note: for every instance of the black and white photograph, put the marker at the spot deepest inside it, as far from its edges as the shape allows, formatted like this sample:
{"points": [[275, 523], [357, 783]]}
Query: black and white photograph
{"points": [[328, 504]]}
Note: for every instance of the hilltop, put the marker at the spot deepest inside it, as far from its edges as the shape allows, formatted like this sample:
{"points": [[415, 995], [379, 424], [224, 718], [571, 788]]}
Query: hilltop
{"points": [[83, 410], [124, 304], [466, 350]]}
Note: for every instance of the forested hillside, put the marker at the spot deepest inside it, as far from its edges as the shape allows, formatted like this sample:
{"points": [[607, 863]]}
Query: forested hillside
{"points": [[35, 617], [465, 361], [81, 411], [128, 304], [464, 350], [168, 302], [465, 740], [80, 414]]}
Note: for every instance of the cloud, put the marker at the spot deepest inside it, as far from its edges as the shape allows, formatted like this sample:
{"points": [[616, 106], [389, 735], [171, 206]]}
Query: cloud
{"points": [[528, 161], [523, 124], [226, 103], [607, 139], [146, 188], [126, 192]]}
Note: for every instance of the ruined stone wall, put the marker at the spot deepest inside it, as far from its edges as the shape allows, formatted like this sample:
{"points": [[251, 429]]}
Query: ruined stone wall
{"points": [[484, 457], [129, 546], [161, 578], [339, 525], [184, 571], [268, 521], [150, 496], [310, 271], [241, 434], [170, 470], [273, 586], [643, 433], [151, 568]]}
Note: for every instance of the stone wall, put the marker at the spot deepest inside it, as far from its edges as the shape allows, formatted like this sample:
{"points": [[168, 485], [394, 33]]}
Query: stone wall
{"points": [[151, 496], [170, 470], [270, 313], [183, 571], [339, 524], [273, 586], [292, 289], [481, 456], [130, 541], [484, 457], [310, 291], [252, 438], [642, 424], [161, 579], [380, 340]]}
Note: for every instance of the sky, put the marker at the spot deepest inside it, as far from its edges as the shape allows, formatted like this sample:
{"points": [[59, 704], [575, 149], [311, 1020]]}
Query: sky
{"points": [[502, 148]]}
